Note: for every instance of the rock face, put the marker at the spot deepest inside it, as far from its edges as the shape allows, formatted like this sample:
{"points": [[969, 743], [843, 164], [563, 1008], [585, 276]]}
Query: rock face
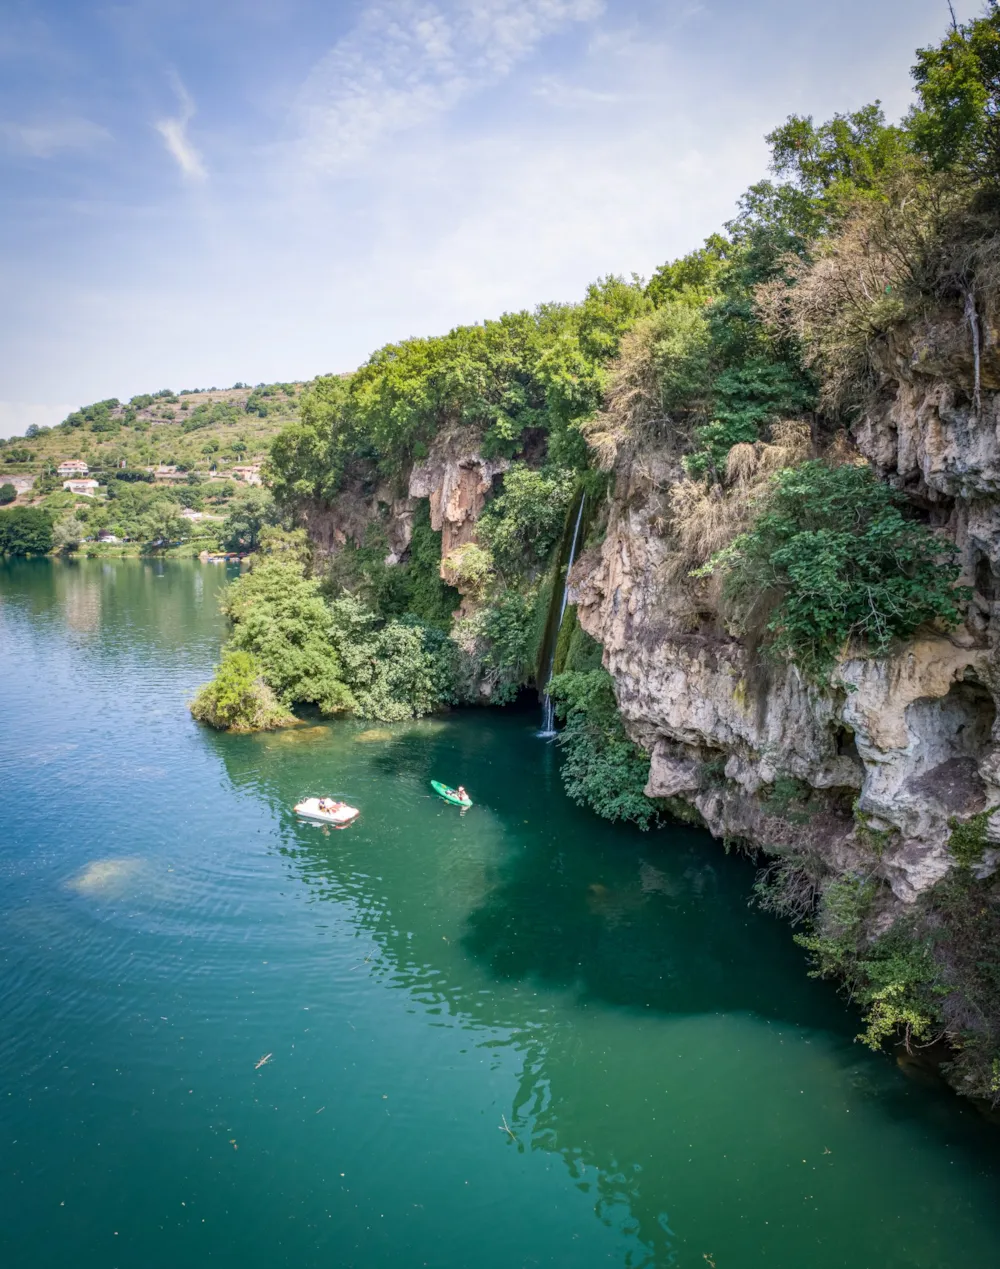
{"points": [[456, 479], [896, 746], [361, 503]]}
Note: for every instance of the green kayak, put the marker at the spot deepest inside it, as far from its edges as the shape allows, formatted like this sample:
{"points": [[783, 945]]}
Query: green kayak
{"points": [[449, 795]]}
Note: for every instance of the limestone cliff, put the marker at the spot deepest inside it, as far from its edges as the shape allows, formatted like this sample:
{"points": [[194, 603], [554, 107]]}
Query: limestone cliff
{"points": [[897, 746], [454, 478]]}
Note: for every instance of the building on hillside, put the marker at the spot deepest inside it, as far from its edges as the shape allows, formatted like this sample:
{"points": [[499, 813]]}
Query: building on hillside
{"points": [[249, 473], [105, 535], [88, 488], [167, 472], [188, 513], [72, 467]]}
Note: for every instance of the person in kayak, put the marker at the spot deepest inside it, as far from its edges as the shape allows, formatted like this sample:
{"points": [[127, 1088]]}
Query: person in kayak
{"points": [[462, 793]]}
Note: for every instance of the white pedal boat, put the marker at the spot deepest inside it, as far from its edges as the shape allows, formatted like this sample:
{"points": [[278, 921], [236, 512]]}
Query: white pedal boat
{"points": [[343, 815]]}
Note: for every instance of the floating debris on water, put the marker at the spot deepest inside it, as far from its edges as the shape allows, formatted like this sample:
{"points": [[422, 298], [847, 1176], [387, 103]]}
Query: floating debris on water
{"points": [[264, 1061]]}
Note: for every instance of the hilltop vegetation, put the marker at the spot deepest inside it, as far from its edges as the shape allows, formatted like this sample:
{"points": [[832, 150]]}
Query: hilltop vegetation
{"points": [[192, 430], [203, 435]]}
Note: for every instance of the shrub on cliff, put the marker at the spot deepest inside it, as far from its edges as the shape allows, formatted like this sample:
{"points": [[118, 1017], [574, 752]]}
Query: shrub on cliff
{"points": [[413, 586], [522, 523], [25, 531], [238, 699], [500, 640], [601, 767], [831, 561], [8, 493]]}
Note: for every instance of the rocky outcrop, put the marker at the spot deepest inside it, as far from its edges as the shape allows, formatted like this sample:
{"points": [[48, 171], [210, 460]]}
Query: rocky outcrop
{"points": [[897, 746], [456, 479], [933, 430], [360, 503]]}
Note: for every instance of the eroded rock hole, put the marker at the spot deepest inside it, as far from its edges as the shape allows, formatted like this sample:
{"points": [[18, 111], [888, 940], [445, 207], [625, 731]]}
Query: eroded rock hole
{"points": [[847, 745], [987, 587], [952, 734]]}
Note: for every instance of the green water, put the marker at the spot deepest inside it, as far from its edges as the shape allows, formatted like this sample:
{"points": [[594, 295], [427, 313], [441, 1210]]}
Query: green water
{"points": [[511, 1037]]}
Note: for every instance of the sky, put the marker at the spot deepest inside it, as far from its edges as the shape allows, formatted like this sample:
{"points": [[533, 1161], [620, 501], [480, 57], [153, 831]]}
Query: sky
{"points": [[199, 192]]}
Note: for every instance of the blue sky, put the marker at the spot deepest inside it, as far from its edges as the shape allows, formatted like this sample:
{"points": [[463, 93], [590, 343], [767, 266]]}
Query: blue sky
{"points": [[194, 193]]}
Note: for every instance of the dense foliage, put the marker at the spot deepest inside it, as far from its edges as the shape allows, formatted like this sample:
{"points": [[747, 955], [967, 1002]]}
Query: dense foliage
{"points": [[25, 531], [601, 767], [395, 670], [499, 382], [279, 616], [413, 586], [249, 512], [238, 698], [340, 656], [523, 523], [832, 561], [8, 493], [935, 972], [957, 123]]}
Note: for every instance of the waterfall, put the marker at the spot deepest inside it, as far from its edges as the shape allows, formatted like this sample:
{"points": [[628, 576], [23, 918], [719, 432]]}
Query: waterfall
{"points": [[548, 711]]}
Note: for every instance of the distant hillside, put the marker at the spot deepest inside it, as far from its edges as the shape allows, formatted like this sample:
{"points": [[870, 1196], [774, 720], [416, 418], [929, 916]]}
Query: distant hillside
{"points": [[194, 430]]}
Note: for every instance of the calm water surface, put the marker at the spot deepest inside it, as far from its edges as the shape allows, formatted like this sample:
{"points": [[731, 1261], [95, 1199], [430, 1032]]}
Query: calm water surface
{"points": [[513, 1037]]}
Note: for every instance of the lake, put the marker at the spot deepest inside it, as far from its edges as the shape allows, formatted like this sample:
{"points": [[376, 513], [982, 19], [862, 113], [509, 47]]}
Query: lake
{"points": [[514, 1036]]}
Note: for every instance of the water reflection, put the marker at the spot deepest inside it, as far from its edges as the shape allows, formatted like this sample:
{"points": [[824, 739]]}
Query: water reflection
{"points": [[656, 1017], [126, 610]]}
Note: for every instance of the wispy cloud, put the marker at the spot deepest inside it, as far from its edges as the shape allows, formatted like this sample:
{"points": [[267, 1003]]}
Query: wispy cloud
{"points": [[44, 138], [406, 62], [173, 130]]}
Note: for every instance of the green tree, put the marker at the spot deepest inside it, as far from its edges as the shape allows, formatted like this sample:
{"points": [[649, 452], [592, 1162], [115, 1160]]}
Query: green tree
{"points": [[161, 523], [238, 698], [398, 670], [250, 511], [68, 533], [523, 522], [957, 124], [601, 767], [279, 616], [8, 493], [307, 457], [835, 161], [693, 278], [25, 531]]}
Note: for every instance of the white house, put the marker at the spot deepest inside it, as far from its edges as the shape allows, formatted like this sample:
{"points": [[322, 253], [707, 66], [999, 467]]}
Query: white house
{"points": [[72, 467], [88, 488]]}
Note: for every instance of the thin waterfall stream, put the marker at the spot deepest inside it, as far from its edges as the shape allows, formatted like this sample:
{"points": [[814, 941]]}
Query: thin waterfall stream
{"points": [[548, 729]]}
